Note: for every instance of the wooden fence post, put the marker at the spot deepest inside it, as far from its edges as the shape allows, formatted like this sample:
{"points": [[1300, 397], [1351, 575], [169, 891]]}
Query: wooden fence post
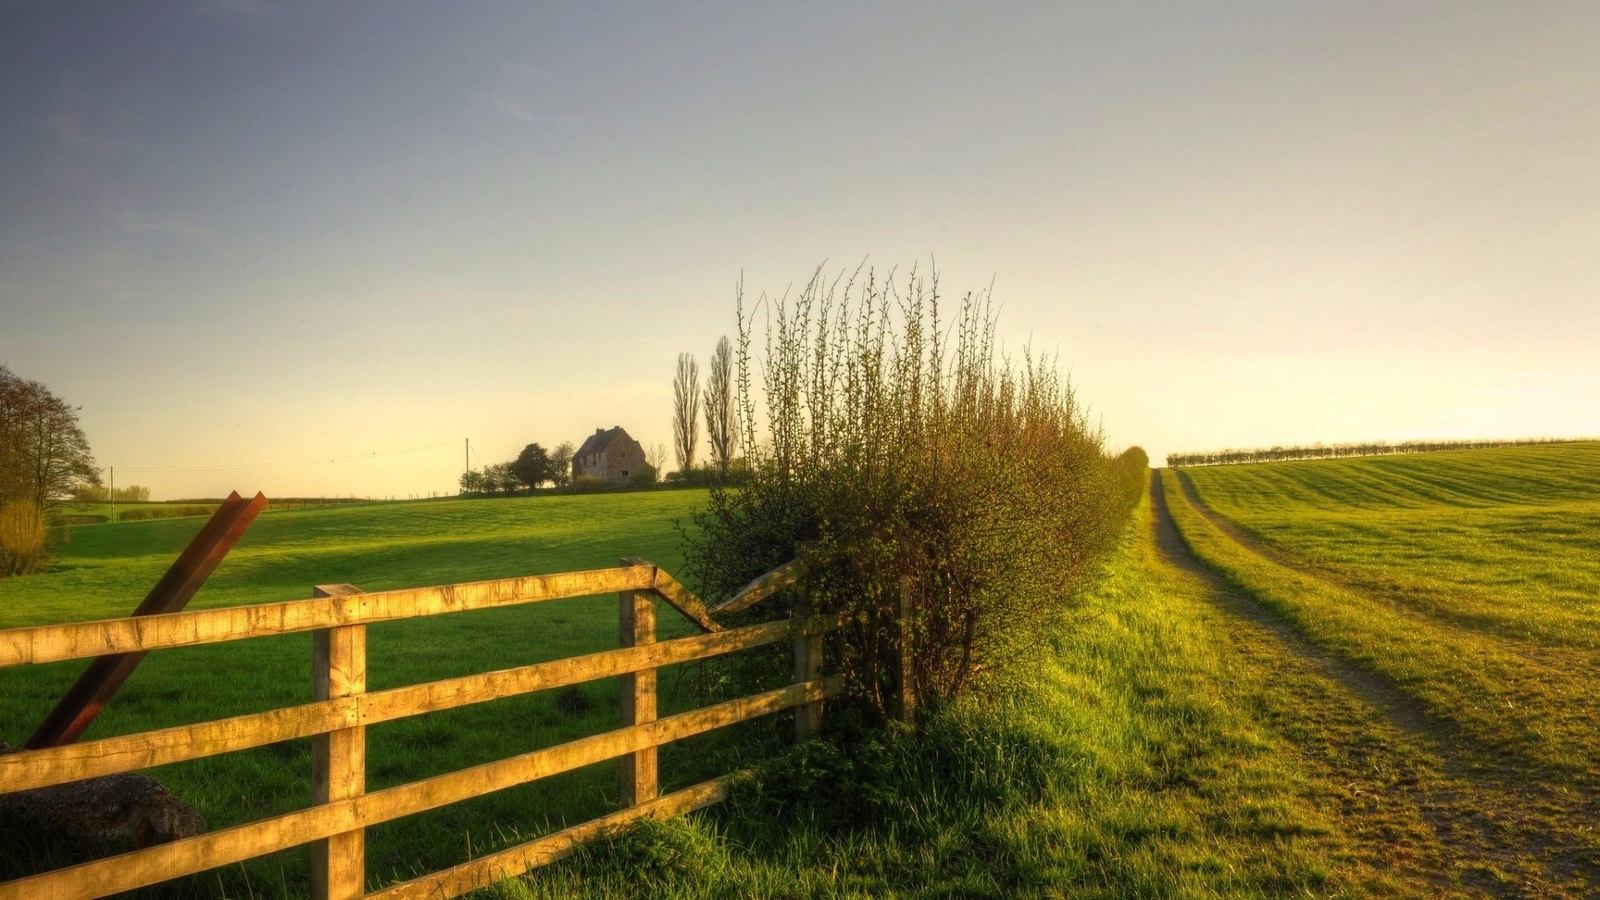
{"points": [[339, 758], [807, 667], [905, 664], [636, 616]]}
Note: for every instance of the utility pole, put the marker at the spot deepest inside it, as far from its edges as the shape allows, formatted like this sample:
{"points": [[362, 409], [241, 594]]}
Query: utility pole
{"points": [[112, 493]]}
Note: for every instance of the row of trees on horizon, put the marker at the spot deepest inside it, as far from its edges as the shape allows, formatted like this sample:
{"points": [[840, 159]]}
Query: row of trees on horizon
{"points": [[533, 467], [1341, 451], [536, 467]]}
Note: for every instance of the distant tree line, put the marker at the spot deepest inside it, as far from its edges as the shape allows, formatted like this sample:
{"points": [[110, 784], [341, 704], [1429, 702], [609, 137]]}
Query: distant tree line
{"points": [[1341, 451], [87, 493], [534, 467]]}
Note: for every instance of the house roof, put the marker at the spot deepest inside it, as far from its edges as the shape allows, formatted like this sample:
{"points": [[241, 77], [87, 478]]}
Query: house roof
{"points": [[601, 439]]}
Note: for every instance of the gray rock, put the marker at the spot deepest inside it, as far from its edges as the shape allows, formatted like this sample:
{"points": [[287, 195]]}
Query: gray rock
{"points": [[121, 811]]}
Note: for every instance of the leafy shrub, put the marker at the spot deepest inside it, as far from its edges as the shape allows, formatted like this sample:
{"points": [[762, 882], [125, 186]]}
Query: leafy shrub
{"points": [[588, 483], [895, 450], [22, 539]]}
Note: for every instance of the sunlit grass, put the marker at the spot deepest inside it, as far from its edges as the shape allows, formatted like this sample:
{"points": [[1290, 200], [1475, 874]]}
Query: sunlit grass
{"points": [[1164, 751], [106, 569], [1166, 748], [1472, 589], [1528, 701], [1507, 541]]}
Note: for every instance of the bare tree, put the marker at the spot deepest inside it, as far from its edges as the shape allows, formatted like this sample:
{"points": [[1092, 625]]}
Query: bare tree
{"points": [[686, 411], [656, 457], [561, 464], [722, 422], [43, 452]]}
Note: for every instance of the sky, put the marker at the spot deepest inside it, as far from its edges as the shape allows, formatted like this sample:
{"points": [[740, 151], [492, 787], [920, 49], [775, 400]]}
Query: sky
{"points": [[311, 249]]}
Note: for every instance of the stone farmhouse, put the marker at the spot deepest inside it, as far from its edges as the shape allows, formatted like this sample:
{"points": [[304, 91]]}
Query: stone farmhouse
{"points": [[609, 454]]}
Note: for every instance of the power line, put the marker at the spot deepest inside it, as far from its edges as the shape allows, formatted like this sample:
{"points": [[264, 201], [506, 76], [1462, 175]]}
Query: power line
{"points": [[376, 454]]}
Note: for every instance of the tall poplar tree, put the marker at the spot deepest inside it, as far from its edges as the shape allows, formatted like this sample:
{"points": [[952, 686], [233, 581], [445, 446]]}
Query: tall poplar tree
{"points": [[686, 411], [722, 423]]}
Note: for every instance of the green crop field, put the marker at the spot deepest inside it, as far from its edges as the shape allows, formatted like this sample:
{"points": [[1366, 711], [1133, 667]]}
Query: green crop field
{"points": [[1463, 589]]}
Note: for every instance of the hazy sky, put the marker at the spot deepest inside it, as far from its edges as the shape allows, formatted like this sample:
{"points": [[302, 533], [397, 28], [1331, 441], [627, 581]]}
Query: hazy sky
{"points": [[259, 232]]}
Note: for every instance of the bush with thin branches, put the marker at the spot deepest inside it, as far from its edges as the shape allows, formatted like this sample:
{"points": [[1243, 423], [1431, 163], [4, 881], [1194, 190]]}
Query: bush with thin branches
{"points": [[892, 449]]}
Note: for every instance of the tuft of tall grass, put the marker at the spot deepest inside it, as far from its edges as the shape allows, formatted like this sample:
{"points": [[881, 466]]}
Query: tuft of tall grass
{"points": [[22, 539], [892, 444]]}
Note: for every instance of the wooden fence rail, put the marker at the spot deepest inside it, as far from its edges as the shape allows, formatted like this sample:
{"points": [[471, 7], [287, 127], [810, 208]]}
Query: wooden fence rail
{"points": [[335, 824]]}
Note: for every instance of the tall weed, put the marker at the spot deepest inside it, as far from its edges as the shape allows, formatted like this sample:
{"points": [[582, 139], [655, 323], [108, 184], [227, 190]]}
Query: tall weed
{"points": [[22, 539]]}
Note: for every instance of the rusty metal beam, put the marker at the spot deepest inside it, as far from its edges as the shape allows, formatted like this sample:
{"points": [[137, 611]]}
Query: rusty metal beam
{"points": [[99, 683]]}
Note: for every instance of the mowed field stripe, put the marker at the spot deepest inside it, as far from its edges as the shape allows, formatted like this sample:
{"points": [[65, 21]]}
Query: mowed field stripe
{"points": [[1497, 806]]}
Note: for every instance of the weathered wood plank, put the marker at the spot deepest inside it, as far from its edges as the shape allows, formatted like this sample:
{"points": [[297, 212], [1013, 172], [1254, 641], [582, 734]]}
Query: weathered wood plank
{"points": [[763, 587], [230, 845], [636, 626], [126, 753], [339, 758], [514, 861], [76, 640], [684, 601]]}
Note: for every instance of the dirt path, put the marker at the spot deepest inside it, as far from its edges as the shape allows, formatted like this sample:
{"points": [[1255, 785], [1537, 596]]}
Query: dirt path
{"points": [[1498, 832], [1404, 711]]}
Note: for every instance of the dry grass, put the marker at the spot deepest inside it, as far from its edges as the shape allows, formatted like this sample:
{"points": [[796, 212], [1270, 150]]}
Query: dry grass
{"points": [[22, 539]]}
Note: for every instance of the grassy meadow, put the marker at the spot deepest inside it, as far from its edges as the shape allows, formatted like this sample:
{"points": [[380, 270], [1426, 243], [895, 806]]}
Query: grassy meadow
{"points": [[104, 570], [1355, 678], [1468, 584], [1503, 541], [1167, 749], [1139, 763]]}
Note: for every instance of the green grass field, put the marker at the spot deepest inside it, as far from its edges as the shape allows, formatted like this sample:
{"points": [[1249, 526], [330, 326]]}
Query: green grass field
{"points": [[1469, 584], [1139, 765], [1360, 678], [1504, 541], [104, 571], [1167, 750]]}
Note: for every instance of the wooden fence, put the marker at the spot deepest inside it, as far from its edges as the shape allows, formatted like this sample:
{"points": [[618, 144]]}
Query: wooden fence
{"points": [[341, 808]]}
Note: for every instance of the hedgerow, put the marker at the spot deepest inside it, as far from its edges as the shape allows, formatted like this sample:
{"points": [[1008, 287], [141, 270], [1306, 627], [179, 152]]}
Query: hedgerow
{"points": [[891, 450]]}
